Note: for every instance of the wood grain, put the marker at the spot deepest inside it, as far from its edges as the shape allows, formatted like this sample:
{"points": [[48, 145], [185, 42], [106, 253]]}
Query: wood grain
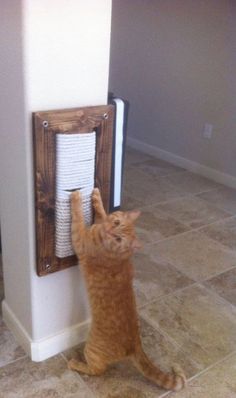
{"points": [[45, 127]]}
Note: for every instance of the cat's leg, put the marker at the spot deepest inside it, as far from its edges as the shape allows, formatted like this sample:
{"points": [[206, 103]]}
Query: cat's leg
{"points": [[77, 224], [89, 369], [100, 213]]}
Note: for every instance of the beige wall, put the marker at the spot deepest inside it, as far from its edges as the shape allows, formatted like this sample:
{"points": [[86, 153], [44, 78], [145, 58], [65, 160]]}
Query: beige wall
{"points": [[175, 60]]}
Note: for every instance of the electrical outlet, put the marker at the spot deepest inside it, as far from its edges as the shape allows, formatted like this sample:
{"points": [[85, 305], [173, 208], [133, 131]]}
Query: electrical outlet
{"points": [[207, 131]]}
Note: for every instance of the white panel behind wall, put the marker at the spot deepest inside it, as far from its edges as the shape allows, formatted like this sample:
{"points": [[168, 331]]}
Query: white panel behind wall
{"points": [[118, 151]]}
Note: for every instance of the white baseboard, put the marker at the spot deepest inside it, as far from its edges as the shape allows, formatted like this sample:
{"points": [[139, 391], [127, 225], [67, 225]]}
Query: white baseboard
{"points": [[40, 350], [213, 174]]}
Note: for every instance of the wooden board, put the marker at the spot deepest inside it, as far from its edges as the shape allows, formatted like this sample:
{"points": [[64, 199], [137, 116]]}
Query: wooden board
{"points": [[45, 127]]}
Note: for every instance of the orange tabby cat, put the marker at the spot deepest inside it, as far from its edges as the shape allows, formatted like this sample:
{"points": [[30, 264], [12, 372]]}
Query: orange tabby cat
{"points": [[104, 251]]}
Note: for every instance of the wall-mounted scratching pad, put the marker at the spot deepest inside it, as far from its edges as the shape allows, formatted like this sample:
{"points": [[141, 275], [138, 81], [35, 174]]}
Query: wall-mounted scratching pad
{"points": [[75, 169], [72, 150]]}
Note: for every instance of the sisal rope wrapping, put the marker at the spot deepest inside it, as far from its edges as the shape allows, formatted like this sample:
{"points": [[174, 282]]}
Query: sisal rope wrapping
{"points": [[75, 169]]}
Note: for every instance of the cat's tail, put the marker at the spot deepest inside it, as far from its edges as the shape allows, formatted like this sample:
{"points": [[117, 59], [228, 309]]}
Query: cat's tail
{"points": [[170, 381]]}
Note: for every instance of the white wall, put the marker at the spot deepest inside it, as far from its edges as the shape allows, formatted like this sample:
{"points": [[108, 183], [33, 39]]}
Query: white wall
{"points": [[175, 61], [55, 55], [67, 52]]}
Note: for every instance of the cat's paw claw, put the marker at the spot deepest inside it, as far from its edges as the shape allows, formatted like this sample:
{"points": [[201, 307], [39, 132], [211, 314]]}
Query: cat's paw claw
{"points": [[95, 193], [96, 196], [75, 196]]}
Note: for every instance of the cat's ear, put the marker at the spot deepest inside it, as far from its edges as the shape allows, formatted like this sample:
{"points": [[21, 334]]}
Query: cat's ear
{"points": [[133, 215]]}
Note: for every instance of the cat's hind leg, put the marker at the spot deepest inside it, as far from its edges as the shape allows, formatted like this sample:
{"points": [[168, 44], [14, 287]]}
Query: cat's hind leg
{"points": [[100, 213], [88, 369], [94, 364]]}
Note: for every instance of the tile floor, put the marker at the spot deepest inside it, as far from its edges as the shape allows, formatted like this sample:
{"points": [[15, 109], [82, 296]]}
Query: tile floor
{"points": [[185, 285]]}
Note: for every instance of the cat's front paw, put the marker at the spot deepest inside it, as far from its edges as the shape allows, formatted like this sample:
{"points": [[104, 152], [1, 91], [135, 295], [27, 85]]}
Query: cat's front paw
{"points": [[96, 193], [96, 196], [72, 364], [76, 197]]}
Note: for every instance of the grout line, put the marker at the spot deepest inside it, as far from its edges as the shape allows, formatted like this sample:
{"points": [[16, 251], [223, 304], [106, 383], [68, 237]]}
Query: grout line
{"points": [[202, 372], [77, 374], [156, 324], [148, 245], [217, 295], [178, 270], [180, 290], [64, 357], [219, 274], [146, 206], [188, 193], [194, 281], [213, 365], [228, 214], [156, 204], [158, 328], [185, 195], [201, 280], [13, 361], [156, 177], [197, 229], [150, 206], [172, 174], [192, 285]]}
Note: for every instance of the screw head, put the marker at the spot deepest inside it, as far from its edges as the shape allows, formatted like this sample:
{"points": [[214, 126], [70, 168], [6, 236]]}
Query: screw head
{"points": [[105, 116], [45, 123]]}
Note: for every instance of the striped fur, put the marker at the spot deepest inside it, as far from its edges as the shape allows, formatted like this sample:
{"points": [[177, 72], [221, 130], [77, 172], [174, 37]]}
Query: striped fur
{"points": [[105, 251]]}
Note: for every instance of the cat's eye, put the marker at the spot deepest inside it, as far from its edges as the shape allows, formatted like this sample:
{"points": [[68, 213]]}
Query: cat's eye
{"points": [[118, 239], [116, 222]]}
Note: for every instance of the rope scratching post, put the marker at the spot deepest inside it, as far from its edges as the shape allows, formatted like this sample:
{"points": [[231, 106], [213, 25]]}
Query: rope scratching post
{"points": [[75, 169], [72, 150]]}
